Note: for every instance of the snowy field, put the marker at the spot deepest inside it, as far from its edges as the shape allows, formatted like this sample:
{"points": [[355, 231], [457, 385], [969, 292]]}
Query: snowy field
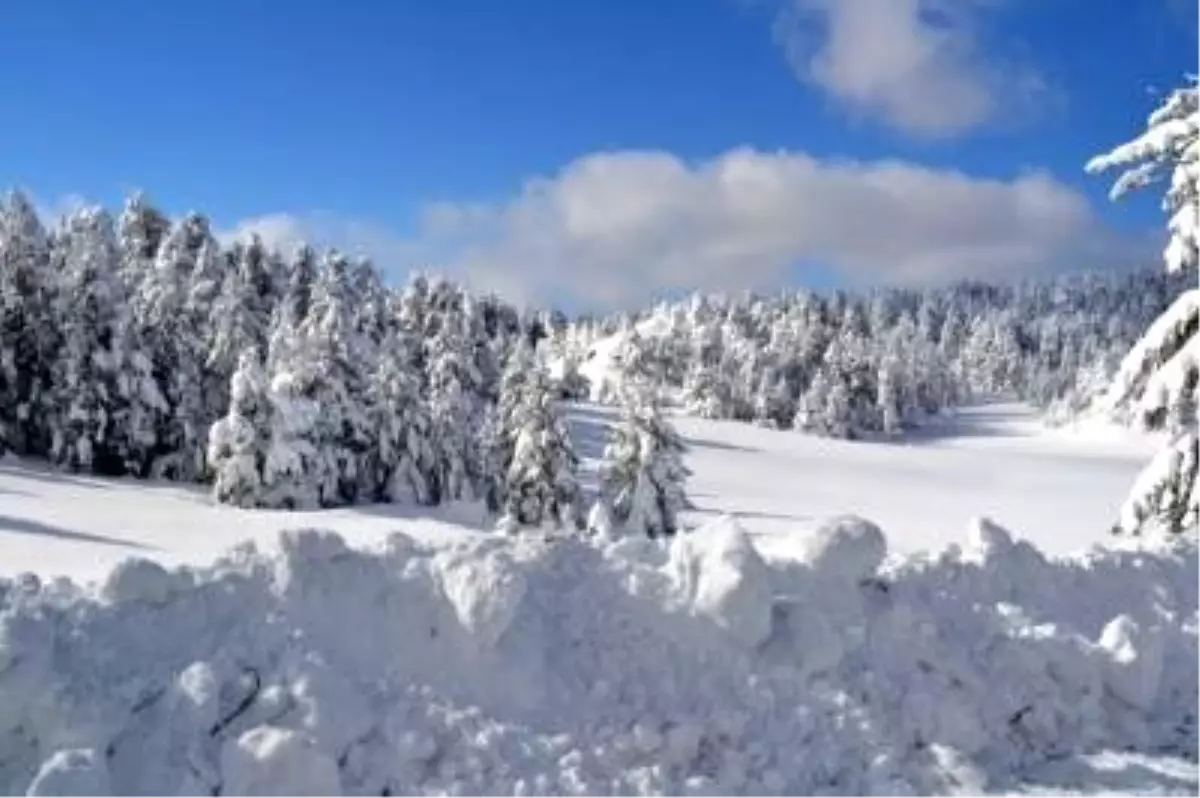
{"points": [[1059, 489], [774, 653]]}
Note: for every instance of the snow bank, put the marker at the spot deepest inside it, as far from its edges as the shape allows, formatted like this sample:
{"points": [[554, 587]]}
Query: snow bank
{"points": [[515, 666]]}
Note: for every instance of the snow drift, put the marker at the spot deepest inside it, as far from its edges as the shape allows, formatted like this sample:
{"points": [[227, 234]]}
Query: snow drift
{"points": [[563, 666]]}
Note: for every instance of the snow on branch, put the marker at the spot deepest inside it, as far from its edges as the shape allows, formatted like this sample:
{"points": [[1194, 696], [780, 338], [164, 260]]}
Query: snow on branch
{"points": [[1171, 143], [1167, 336]]}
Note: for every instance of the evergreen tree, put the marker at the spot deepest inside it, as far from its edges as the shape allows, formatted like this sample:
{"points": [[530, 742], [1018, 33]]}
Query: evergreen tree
{"points": [[299, 470], [643, 474], [1159, 377], [85, 387], [336, 353], [541, 487], [29, 334], [171, 334], [403, 454], [237, 442], [452, 409], [140, 231]]}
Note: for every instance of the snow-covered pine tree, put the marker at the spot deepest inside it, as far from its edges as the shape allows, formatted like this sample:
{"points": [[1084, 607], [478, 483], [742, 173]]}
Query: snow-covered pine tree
{"points": [[369, 300], [140, 231], [1158, 379], [643, 476], [541, 488], [85, 388], [302, 276], [173, 334], [237, 442], [29, 333], [335, 358], [495, 456], [243, 309], [706, 392], [452, 409], [299, 471], [402, 453], [502, 424]]}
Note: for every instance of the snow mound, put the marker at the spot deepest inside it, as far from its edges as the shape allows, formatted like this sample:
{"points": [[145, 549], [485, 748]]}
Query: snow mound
{"points": [[573, 667], [847, 548], [71, 772], [725, 580], [268, 760]]}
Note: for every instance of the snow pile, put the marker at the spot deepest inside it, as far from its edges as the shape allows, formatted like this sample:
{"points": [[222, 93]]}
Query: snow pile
{"points": [[528, 666]]}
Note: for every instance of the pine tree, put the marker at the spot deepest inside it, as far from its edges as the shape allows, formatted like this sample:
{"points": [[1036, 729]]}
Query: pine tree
{"points": [[297, 298], [452, 408], [643, 474], [140, 231], [299, 471], [237, 442], [403, 454], [1159, 377], [541, 487], [502, 424], [171, 333], [242, 311], [29, 334], [85, 388], [337, 353]]}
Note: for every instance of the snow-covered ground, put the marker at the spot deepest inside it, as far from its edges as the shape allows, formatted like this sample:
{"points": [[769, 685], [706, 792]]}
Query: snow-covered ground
{"points": [[1058, 488], [769, 653]]}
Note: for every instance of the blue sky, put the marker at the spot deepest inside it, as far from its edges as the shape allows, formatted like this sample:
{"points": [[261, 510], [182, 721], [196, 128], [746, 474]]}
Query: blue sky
{"points": [[602, 151]]}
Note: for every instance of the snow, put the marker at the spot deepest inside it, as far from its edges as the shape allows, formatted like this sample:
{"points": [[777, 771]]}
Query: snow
{"points": [[1061, 488], [725, 580], [318, 668], [71, 772], [268, 760], [55, 523], [784, 647]]}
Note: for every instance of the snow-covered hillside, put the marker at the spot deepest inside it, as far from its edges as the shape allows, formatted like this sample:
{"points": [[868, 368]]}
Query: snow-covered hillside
{"points": [[771, 652]]}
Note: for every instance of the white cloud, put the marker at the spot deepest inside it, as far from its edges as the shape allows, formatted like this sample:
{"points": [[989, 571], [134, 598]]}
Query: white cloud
{"points": [[917, 65], [615, 229]]}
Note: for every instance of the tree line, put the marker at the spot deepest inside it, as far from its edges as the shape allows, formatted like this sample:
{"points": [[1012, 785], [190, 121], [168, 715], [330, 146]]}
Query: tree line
{"points": [[145, 347]]}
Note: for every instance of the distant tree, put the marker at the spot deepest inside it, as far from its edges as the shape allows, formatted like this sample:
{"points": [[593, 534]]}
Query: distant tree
{"points": [[140, 231]]}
